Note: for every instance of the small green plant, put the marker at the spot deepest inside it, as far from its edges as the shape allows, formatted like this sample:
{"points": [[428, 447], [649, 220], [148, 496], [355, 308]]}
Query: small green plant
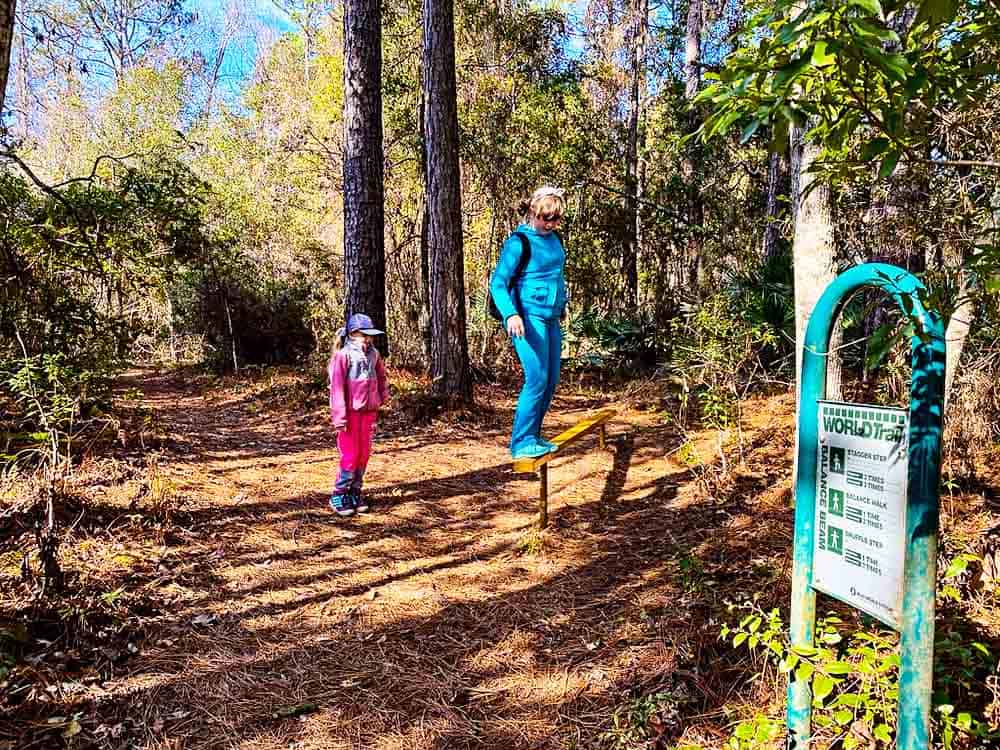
{"points": [[161, 496], [161, 490], [110, 598], [692, 573], [532, 543], [949, 483], [642, 719], [717, 406], [955, 571], [854, 679], [687, 454], [759, 733], [45, 393]]}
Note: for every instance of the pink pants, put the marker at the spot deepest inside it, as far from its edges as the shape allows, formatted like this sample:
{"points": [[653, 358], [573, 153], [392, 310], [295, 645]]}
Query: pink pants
{"points": [[355, 444]]}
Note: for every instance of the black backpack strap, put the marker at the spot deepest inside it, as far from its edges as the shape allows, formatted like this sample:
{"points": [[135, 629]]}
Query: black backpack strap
{"points": [[525, 258]]}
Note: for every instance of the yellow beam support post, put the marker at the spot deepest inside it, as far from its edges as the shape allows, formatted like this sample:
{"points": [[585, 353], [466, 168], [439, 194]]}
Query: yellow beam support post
{"points": [[543, 496], [540, 465]]}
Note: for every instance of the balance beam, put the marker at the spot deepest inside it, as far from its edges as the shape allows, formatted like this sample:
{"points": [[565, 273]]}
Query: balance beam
{"points": [[564, 439]]}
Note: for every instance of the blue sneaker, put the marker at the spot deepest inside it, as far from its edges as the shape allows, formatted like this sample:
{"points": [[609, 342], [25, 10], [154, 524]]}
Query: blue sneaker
{"points": [[530, 450], [548, 444], [360, 501], [342, 504]]}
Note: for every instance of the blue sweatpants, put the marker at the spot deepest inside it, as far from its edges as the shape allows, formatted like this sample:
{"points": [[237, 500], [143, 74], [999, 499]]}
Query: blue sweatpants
{"points": [[540, 351]]}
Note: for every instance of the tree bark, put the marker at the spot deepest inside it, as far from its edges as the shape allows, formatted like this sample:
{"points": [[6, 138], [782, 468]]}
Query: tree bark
{"points": [[813, 255], [956, 333], [364, 219], [7, 8], [637, 94], [425, 268], [426, 333], [22, 90], [449, 347], [692, 50], [777, 179], [813, 264], [696, 209]]}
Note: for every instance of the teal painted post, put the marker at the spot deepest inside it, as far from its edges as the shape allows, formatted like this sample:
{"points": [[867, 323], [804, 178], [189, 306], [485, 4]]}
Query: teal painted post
{"points": [[920, 573], [926, 403], [803, 614]]}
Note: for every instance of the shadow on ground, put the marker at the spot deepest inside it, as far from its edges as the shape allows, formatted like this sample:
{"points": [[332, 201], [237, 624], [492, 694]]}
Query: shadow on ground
{"points": [[443, 620]]}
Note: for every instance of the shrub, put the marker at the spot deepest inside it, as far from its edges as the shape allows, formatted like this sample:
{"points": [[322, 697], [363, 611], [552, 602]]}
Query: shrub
{"points": [[619, 344], [255, 315], [740, 336], [77, 261], [854, 677]]}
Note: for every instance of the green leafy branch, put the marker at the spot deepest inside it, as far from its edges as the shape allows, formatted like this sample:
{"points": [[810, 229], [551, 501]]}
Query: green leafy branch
{"points": [[855, 681], [856, 70]]}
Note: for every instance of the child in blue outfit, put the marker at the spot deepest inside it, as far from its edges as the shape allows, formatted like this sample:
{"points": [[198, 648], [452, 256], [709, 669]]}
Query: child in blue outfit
{"points": [[532, 305]]}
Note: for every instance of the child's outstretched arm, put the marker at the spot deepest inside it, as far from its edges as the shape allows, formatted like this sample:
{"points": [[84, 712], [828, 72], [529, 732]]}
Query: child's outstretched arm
{"points": [[337, 371]]}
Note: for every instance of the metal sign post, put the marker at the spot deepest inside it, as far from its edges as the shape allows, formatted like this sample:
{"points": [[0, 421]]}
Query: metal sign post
{"points": [[870, 442]]}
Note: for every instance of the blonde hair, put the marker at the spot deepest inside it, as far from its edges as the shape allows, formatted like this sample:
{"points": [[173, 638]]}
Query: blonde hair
{"points": [[339, 339], [546, 200]]}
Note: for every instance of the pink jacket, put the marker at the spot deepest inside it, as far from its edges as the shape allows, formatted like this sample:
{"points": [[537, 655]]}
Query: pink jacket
{"points": [[357, 381]]}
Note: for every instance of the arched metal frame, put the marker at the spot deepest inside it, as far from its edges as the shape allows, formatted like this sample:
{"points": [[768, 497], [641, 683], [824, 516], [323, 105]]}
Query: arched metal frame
{"points": [[924, 468]]}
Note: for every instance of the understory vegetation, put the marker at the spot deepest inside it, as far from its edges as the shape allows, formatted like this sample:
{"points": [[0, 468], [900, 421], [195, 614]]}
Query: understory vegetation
{"points": [[158, 220]]}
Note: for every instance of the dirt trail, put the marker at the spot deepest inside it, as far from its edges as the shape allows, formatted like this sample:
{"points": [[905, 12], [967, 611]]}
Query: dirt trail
{"points": [[442, 619]]}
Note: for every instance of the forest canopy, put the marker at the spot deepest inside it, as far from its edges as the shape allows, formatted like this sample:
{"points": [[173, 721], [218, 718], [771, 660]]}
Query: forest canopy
{"points": [[173, 176]]}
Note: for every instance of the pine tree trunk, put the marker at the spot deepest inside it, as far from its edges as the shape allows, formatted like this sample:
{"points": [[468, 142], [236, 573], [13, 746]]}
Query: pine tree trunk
{"points": [[813, 264], [7, 8], [449, 347], [171, 330], [426, 334], [21, 91], [364, 219], [425, 269], [637, 93]]}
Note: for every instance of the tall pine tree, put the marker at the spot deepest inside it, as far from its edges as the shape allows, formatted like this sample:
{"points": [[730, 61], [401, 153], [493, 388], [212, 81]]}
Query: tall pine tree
{"points": [[364, 218], [449, 346]]}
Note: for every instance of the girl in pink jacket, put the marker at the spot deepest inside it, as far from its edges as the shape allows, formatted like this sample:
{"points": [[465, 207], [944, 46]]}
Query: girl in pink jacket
{"points": [[357, 389]]}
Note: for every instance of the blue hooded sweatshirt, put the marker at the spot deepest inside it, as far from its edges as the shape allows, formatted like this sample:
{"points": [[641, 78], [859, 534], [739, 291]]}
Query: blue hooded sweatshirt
{"points": [[542, 286]]}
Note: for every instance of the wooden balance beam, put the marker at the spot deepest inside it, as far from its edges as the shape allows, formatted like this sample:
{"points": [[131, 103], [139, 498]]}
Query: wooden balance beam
{"points": [[568, 437]]}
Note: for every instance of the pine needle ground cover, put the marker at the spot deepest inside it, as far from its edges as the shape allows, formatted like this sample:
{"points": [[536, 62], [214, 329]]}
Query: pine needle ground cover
{"points": [[214, 602]]}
